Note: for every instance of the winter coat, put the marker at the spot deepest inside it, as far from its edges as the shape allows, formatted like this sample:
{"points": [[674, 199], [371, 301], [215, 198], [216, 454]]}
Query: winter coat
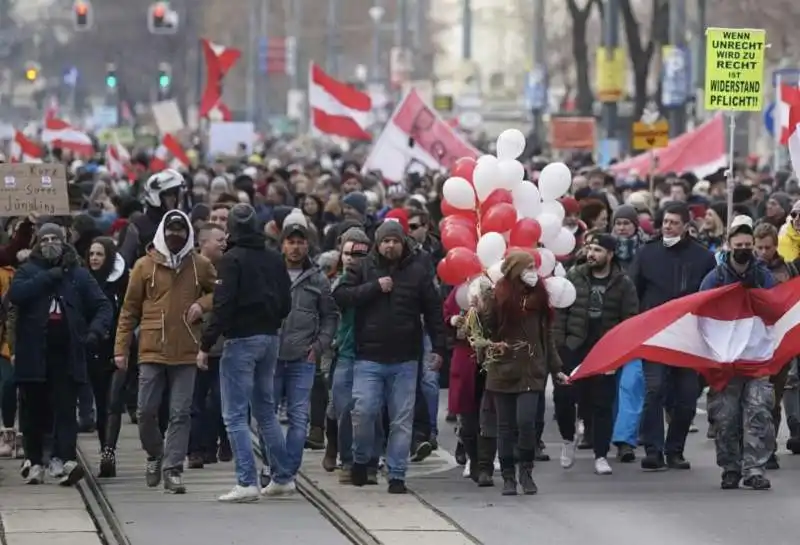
{"points": [[6, 275], [388, 328], [620, 302], [757, 275], [311, 324], [461, 395], [114, 288], [788, 242], [161, 289], [524, 369], [86, 309]]}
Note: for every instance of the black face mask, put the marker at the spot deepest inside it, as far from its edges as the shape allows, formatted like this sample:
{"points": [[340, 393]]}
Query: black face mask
{"points": [[175, 243], [742, 256]]}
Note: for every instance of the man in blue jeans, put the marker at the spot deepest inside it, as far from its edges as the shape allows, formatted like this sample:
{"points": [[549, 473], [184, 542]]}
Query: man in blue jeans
{"points": [[390, 289], [251, 300], [307, 332]]}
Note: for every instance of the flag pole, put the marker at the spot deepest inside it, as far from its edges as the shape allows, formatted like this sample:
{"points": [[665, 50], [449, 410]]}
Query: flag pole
{"points": [[777, 124], [729, 172]]}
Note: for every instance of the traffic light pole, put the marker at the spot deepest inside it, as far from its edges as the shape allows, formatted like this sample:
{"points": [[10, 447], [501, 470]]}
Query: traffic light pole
{"points": [[677, 38]]}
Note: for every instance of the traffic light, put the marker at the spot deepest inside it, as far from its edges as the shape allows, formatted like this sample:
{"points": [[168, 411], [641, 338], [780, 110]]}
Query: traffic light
{"points": [[32, 71], [111, 76], [164, 80], [82, 15], [161, 19]]}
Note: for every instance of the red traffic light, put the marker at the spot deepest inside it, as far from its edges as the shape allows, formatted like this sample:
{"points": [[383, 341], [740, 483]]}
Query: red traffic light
{"points": [[81, 8], [159, 10]]}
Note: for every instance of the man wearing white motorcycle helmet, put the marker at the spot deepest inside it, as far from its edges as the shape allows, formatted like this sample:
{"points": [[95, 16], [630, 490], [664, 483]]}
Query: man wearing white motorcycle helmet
{"points": [[161, 194]]}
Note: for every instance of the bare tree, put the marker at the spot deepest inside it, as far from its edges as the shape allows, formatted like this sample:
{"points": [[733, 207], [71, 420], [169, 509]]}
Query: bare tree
{"points": [[580, 50], [643, 43]]}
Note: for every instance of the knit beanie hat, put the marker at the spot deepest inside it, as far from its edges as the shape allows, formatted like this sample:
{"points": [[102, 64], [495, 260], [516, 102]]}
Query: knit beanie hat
{"points": [[356, 235], [626, 212], [357, 200], [50, 229], [515, 262], [387, 229], [400, 216]]}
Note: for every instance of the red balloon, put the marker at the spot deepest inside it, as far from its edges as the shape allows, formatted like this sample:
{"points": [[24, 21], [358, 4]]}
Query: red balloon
{"points": [[462, 263], [499, 218], [449, 221], [526, 233], [537, 259], [496, 197], [450, 210], [456, 235], [444, 270], [463, 168]]}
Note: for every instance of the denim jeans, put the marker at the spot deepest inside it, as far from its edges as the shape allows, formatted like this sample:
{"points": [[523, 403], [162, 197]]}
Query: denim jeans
{"points": [[430, 386], [342, 394], [246, 373], [294, 380], [376, 384]]}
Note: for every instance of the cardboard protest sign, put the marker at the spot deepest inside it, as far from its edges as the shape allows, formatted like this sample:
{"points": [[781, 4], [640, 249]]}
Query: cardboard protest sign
{"points": [[32, 187]]}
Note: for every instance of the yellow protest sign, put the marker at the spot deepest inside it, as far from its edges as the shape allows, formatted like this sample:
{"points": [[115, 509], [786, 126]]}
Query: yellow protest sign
{"points": [[610, 68], [648, 136], [734, 69]]}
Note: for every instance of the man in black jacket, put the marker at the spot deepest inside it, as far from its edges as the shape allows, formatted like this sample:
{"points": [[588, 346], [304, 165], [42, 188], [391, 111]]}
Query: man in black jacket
{"points": [[669, 267], [251, 300], [389, 291]]}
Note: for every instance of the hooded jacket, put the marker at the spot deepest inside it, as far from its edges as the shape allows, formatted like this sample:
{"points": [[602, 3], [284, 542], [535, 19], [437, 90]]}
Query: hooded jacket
{"points": [[114, 283], [161, 289], [789, 242]]}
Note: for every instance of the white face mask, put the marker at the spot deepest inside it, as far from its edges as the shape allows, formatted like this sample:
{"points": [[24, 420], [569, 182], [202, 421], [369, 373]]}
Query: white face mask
{"points": [[529, 278], [671, 241]]}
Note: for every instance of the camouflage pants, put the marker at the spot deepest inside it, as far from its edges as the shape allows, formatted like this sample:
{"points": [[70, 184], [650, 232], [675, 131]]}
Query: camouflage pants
{"points": [[745, 433]]}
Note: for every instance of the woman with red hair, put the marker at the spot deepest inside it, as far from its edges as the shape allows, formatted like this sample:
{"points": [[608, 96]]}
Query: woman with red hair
{"points": [[516, 320]]}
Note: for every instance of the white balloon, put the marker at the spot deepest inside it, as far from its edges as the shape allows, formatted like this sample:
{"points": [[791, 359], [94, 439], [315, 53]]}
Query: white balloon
{"points": [[462, 296], [554, 181], [560, 291], [510, 144], [563, 244], [484, 158], [551, 227], [491, 248], [560, 270], [526, 200], [555, 208], [486, 177], [510, 173], [548, 262], [495, 272], [459, 193]]}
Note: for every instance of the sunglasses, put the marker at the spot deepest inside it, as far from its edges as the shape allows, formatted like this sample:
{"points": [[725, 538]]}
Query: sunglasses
{"points": [[794, 214], [356, 254]]}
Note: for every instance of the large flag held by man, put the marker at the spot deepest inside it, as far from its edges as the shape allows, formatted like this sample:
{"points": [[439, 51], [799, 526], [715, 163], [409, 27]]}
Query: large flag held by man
{"points": [[723, 332]]}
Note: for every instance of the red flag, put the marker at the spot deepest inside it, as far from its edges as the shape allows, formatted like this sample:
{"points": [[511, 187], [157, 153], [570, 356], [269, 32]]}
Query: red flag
{"points": [[23, 150], [219, 60], [722, 332], [337, 108], [60, 134], [169, 147]]}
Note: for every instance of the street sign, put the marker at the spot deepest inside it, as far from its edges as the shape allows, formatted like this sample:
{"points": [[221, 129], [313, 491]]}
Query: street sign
{"points": [[443, 103], [536, 90], [675, 76], [769, 118], [649, 136]]}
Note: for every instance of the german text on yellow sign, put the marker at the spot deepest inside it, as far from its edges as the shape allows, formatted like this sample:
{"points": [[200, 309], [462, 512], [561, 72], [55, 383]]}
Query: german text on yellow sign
{"points": [[647, 136], [611, 74], [734, 69]]}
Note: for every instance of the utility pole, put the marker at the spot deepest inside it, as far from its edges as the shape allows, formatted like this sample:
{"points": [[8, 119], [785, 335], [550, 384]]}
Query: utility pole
{"points": [[264, 92], [423, 66], [376, 13], [700, 63], [332, 39], [539, 62], [254, 41], [677, 38], [466, 35], [611, 43], [405, 38]]}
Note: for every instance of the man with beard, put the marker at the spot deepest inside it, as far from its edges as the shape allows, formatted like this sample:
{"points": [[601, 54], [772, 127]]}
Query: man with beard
{"points": [[605, 298], [169, 290], [52, 291]]}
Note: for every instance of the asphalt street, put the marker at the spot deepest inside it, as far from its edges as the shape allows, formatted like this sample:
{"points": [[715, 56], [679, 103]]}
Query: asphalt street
{"points": [[577, 507]]}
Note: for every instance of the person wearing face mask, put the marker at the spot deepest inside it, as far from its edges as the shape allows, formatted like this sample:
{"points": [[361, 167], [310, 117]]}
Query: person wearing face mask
{"points": [[61, 313], [169, 290], [742, 410], [516, 318], [666, 268], [605, 298], [789, 235]]}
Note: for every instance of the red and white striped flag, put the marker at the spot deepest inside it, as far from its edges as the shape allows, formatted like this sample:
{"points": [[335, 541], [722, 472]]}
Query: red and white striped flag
{"points": [[722, 332], [118, 160], [24, 150], [170, 147], [337, 108], [789, 115], [60, 134]]}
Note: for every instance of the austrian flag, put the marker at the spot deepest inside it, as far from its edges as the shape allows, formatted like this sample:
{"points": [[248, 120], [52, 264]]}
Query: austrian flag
{"points": [[723, 332]]}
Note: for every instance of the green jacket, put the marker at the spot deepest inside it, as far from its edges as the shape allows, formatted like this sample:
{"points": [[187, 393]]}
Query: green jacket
{"points": [[619, 303], [345, 339]]}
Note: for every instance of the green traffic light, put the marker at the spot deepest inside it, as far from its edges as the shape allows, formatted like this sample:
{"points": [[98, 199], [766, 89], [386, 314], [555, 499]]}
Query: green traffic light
{"points": [[111, 81], [163, 81]]}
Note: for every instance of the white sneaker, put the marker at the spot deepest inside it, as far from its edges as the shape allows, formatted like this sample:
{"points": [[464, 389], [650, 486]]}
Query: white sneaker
{"points": [[35, 475], [56, 468], [568, 454], [241, 494], [601, 467], [6, 443], [71, 474], [274, 489], [465, 473], [25, 469]]}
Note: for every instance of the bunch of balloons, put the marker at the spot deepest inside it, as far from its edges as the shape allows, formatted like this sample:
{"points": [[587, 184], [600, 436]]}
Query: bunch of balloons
{"points": [[490, 210]]}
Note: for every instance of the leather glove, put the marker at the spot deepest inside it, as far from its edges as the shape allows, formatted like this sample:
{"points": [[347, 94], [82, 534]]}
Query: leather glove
{"points": [[56, 273], [92, 342]]}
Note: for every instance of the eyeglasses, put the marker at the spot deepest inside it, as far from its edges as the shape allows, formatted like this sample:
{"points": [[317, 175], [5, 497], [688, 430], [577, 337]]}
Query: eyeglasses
{"points": [[355, 254], [414, 226]]}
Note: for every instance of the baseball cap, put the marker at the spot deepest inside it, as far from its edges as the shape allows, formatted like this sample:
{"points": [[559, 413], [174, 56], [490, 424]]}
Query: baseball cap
{"points": [[741, 224], [175, 219]]}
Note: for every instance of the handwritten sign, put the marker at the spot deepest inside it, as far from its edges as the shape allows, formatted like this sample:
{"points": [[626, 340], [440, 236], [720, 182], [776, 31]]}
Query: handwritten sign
{"points": [[33, 187]]}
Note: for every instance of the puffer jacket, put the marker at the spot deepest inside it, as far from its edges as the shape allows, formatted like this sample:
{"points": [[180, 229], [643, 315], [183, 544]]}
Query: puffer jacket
{"points": [[788, 242], [311, 323], [620, 302], [160, 291]]}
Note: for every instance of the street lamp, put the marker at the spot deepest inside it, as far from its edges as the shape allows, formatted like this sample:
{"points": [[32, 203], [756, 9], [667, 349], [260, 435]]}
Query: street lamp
{"points": [[376, 13]]}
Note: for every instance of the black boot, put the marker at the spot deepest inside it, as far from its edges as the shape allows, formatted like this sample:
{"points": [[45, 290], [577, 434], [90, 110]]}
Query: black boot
{"points": [[793, 443], [461, 454], [487, 448], [525, 473], [331, 444], [509, 474], [108, 464]]}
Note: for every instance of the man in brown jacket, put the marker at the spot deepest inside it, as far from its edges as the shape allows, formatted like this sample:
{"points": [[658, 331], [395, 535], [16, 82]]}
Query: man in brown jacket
{"points": [[169, 290]]}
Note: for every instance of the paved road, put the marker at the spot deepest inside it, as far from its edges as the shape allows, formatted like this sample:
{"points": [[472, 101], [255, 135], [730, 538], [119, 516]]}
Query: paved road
{"points": [[577, 507]]}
